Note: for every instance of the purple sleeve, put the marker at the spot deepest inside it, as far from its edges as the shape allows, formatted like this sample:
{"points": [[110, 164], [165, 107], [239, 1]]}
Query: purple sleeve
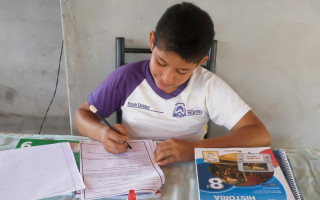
{"points": [[112, 93]]}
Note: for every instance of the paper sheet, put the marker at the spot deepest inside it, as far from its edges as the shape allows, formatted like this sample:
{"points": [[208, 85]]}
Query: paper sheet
{"points": [[106, 174], [38, 172]]}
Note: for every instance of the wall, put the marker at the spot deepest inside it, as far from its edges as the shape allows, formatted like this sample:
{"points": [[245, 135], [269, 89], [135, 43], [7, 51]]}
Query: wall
{"points": [[267, 51], [30, 43]]}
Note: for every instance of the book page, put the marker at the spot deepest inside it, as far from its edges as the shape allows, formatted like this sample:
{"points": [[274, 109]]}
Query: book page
{"points": [[106, 174]]}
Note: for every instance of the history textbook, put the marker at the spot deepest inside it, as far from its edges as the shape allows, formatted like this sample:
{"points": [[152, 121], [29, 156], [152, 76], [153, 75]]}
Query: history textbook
{"points": [[240, 174]]}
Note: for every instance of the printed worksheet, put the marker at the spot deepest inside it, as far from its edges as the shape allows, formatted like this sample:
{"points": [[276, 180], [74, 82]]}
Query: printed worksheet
{"points": [[106, 174]]}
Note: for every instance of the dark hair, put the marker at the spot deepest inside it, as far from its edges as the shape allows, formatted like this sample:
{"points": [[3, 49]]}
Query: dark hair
{"points": [[186, 30]]}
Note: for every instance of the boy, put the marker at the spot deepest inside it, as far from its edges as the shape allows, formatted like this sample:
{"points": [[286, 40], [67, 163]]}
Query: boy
{"points": [[171, 97]]}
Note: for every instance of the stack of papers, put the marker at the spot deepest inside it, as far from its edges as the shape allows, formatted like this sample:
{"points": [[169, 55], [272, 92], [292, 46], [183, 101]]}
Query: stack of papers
{"points": [[113, 175], [38, 172]]}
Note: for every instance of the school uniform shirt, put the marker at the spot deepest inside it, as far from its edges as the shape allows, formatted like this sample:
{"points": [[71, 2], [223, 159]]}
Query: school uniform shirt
{"points": [[148, 112]]}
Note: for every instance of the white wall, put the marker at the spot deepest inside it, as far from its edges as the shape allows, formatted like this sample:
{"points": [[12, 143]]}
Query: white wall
{"points": [[267, 51], [30, 43]]}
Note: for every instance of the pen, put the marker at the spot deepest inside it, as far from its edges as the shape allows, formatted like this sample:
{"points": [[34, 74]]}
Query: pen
{"points": [[95, 111]]}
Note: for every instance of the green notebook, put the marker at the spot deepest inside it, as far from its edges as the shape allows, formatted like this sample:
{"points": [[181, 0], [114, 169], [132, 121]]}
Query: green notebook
{"points": [[75, 146]]}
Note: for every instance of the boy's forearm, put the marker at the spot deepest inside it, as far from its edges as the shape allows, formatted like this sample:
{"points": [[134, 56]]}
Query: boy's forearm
{"points": [[250, 136], [87, 124]]}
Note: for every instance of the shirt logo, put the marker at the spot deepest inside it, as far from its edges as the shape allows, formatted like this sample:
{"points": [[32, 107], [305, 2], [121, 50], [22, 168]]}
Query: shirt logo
{"points": [[179, 110]]}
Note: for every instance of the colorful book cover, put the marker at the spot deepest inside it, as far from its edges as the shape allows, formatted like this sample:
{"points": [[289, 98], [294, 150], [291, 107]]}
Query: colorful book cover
{"points": [[240, 174], [37, 142]]}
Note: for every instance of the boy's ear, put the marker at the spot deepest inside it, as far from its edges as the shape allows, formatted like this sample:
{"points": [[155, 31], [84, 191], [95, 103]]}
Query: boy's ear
{"points": [[204, 59], [152, 40]]}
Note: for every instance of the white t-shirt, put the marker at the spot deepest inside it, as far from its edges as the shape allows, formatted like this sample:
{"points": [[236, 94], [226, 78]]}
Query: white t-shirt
{"points": [[148, 112]]}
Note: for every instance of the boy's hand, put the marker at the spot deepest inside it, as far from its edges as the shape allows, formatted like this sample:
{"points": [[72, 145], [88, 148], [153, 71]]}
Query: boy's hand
{"points": [[114, 142], [173, 150]]}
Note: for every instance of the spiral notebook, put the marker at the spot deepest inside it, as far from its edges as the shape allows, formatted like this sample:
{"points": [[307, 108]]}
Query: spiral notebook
{"points": [[286, 168]]}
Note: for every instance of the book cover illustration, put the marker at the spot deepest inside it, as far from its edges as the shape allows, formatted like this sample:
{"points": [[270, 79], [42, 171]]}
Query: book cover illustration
{"points": [[240, 174]]}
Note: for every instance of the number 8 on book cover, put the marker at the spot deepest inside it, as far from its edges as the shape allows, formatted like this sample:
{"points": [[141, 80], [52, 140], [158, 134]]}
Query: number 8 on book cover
{"points": [[240, 174]]}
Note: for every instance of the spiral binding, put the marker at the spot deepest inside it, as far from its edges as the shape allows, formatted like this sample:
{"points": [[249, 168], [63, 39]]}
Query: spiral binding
{"points": [[291, 179]]}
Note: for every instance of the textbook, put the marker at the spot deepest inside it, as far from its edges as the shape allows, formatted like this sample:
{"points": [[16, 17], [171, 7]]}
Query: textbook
{"points": [[240, 174]]}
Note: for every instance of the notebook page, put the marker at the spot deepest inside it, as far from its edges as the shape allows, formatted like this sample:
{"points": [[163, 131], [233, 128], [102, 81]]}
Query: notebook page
{"points": [[106, 174]]}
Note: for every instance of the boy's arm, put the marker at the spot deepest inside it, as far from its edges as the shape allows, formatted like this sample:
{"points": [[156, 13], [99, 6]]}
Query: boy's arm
{"points": [[88, 124], [248, 132]]}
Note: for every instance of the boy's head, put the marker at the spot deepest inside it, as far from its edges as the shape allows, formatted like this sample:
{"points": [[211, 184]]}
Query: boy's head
{"points": [[186, 30]]}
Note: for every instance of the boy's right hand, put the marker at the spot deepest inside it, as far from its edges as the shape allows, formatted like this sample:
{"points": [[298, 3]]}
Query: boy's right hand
{"points": [[114, 142]]}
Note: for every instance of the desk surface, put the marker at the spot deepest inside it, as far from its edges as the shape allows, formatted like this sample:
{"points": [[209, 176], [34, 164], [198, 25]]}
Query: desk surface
{"points": [[181, 181]]}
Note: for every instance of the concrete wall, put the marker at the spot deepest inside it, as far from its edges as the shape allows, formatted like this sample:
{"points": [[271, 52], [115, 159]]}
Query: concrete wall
{"points": [[30, 43], [267, 51]]}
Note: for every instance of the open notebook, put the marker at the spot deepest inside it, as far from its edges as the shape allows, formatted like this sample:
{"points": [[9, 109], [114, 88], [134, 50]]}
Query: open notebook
{"points": [[108, 175]]}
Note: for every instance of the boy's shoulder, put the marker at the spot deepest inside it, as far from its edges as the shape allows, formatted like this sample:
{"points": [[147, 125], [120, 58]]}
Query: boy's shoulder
{"points": [[203, 75], [139, 67], [204, 79], [128, 75]]}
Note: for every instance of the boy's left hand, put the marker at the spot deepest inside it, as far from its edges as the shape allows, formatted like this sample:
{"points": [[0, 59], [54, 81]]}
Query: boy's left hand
{"points": [[173, 150]]}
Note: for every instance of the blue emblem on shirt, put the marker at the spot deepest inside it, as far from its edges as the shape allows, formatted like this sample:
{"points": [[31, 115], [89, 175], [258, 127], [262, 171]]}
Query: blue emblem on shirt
{"points": [[179, 110]]}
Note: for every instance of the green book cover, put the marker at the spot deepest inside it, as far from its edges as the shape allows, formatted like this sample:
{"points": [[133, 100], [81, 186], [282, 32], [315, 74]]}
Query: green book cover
{"points": [[75, 146]]}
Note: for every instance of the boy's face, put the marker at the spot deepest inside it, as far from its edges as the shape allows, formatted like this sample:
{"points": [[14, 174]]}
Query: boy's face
{"points": [[168, 69]]}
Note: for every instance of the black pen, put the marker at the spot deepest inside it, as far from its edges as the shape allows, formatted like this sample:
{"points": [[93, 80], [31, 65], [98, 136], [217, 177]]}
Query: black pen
{"points": [[95, 111]]}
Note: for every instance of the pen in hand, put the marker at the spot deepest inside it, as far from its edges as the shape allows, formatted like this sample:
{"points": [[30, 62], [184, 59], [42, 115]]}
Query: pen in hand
{"points": [[95, 111]]}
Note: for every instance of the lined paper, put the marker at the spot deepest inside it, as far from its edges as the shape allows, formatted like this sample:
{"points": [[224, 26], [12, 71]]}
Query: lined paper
{"points": [[106, 174]]}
